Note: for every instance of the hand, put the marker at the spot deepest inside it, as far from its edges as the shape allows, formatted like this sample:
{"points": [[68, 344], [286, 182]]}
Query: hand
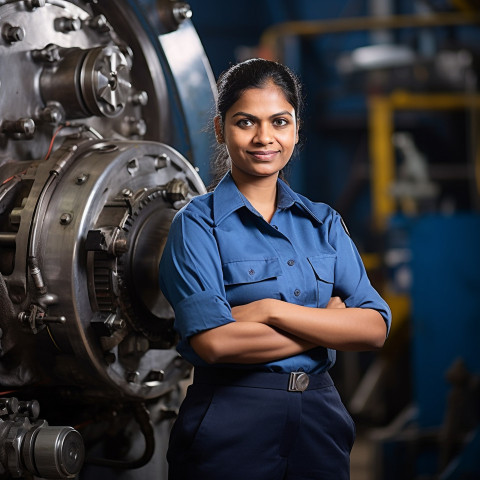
{"points": [[336, 302], [259, 311]]}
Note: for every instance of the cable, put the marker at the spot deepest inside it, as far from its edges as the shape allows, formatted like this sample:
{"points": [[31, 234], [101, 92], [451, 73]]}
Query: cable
{"points": [[142, 416], [57, 131]]}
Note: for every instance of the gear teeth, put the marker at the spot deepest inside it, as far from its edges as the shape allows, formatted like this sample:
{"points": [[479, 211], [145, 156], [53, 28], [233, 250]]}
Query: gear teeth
{"points": [[153, 328], [102, 277]]}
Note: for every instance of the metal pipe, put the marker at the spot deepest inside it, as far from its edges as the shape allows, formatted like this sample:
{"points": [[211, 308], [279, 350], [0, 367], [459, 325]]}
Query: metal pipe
{"points": [[381, 8], [381, 127], [269, 39], [34, 267], [382, 158]]}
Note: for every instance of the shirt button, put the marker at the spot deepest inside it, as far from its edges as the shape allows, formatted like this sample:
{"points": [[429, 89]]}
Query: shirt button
{"points": [[297, 292], [251, 271], [291, 263], [275, 227]]}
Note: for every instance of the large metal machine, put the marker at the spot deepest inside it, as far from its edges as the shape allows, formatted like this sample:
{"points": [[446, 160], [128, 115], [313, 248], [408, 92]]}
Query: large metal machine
{"points": [[101, 105]]}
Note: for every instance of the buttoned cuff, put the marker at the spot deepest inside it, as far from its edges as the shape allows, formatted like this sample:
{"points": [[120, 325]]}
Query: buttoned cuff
{"points": [[201, 311]]}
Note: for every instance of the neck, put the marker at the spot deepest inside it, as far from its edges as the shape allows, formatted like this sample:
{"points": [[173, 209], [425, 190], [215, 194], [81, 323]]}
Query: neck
{"points": [[261, 192]]}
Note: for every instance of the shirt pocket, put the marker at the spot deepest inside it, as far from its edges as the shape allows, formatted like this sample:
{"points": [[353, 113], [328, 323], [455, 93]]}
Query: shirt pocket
{"points": [[324, 268], [249, 280]]}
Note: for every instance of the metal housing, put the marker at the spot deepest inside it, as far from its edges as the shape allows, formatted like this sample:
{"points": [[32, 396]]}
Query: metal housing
{"points": [[96, 108]]}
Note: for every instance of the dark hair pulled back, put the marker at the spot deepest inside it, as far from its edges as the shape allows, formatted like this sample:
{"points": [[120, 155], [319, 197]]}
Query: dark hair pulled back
{"points": [[232, 83]]}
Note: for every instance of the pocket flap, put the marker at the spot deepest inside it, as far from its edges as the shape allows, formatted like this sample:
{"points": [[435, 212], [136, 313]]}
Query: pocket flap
{"points": [[324, 267], [249, 271]]}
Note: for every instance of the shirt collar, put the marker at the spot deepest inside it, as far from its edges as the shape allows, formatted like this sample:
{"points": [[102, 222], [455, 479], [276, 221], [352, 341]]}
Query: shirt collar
{"points": [[227, 199]]}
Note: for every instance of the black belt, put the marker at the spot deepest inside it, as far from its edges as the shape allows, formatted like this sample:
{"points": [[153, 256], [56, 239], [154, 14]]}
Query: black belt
{"points": [[292, 382]]}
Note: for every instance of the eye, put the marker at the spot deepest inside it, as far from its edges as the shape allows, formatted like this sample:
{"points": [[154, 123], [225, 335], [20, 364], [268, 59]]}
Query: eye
{"points": [[244, 122], [280, 122]]}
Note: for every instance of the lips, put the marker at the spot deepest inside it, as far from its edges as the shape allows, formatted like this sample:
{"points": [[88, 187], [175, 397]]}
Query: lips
{"points": [[263, 154]]}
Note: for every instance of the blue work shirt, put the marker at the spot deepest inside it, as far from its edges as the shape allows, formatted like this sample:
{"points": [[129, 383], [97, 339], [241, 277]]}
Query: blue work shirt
{"points": [[221, 253]]}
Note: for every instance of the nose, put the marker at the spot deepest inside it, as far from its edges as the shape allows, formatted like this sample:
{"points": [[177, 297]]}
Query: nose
{"points": [[263, 134]]}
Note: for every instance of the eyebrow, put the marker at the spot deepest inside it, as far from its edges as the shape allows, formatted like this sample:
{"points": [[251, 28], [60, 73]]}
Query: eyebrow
{"points": [[253, 117]]}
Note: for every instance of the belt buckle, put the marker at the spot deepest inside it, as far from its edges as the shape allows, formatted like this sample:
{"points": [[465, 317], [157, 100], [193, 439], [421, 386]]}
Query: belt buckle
{"points": [[298, 382]]}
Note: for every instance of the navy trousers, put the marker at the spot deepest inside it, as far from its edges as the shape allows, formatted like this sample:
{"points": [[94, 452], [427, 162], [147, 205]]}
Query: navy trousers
{"points": [[248, 426]]}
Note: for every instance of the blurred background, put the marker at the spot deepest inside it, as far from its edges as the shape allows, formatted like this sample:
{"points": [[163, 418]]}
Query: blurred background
{"points": [[391, 140]]}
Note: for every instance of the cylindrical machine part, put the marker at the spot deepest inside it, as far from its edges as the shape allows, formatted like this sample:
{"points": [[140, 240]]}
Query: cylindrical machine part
{"points": [[88, 82], [58, 452]]}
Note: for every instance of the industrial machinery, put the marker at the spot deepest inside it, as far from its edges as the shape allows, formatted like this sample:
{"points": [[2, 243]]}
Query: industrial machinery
{"points": [[99, 106]]}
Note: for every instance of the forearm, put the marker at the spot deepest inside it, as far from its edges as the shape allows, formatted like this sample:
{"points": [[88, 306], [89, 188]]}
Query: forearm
{"points": [[247, 343], [337, 328]]}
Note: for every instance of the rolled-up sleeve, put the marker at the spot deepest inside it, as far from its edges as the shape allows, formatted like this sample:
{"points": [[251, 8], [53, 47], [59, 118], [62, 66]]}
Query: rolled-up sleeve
{"points": [[201, 311], [351, 281], [191, 276]]}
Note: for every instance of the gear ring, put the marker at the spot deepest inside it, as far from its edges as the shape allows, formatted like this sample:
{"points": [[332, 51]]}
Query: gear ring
{"points": [[146, 229]]}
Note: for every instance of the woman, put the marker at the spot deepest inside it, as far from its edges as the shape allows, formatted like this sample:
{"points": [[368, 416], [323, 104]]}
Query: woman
{"points": [[265, 285]]}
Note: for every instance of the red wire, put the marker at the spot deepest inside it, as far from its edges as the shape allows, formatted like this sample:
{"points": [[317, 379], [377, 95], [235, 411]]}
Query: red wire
{"points": [[13, 176], [7, 392], [46, 156], [53, 139]]}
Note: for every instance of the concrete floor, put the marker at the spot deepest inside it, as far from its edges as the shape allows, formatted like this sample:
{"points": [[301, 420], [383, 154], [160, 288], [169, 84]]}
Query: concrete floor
{"points": [[361, 459]]}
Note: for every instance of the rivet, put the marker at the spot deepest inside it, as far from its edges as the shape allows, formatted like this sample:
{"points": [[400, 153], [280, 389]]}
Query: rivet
{"points": [[127, 193], [81, 179], [66, 218]]}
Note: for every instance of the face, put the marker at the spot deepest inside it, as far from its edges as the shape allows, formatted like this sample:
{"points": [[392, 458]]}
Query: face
{"points": [[260, 132]]}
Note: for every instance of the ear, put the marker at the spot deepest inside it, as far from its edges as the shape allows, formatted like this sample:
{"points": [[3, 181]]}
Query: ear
{"points": [[217, 121]]}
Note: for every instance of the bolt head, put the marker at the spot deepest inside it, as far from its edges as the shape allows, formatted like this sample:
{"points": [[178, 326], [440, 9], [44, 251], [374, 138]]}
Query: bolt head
{"points": [[27, 127], [140, 98], [13, 33], [132, 377], [33, 4], [81, 179], [182, 11], [51, 114], [66, 218], [120, 246]]}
